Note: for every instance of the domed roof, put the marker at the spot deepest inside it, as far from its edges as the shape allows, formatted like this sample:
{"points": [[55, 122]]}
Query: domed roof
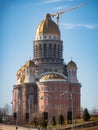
{"points": [[72, 65], [52, 76], [30, 63], [47, 27]]}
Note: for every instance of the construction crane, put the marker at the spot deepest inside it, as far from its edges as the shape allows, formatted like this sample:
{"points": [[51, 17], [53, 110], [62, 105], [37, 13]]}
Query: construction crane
{"points": [[66, 10]]}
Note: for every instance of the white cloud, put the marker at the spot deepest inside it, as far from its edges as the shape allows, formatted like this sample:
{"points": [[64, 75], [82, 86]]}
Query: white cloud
{"points": [[59, 8], [54, 1], [73, 26]]}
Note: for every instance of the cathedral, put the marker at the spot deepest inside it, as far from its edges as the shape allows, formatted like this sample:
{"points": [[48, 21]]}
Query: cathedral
{"points": [[46, 83]]}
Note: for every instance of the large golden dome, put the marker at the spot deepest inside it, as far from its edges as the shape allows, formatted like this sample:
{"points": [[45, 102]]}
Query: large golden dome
{"points": [[47, 27]]}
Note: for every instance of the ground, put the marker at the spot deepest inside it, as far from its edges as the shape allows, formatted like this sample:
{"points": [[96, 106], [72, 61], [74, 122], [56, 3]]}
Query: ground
{"points": [[13, 127]]}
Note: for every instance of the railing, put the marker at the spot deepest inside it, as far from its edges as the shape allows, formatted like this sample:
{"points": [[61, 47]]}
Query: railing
{"points": [[89, 124]]}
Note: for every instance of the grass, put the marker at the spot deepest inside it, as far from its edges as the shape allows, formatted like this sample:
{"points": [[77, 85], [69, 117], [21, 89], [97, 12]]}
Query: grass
{"points": [[79, 121]]}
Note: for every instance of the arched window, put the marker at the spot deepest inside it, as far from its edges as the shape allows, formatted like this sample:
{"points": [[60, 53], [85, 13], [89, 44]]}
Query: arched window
{"points": [[45, 50], [45, 70], [54, 50], [69, 72], [40, 50], [50, 51], [36, 51], [59, 51]]}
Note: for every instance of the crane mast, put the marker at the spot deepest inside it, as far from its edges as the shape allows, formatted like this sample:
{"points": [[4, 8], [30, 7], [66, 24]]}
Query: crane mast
{"points": [[65, 11]]}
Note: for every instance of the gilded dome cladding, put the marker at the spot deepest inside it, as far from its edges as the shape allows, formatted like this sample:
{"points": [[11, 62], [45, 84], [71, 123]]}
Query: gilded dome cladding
{"points": [[52, 76], [72, 64], [48, 27], [29, 63]]}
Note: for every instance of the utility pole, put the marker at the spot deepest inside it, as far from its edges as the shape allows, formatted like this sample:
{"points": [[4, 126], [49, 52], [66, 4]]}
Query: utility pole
{"points": [[29, 111], [71, 97]]}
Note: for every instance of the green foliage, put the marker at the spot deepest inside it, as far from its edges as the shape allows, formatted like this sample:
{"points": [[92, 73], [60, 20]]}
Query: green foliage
{"points": [[44, 123], [35, 121], [53, 120], [61, 119], [86, 116], [44, 120], [45, 115]]}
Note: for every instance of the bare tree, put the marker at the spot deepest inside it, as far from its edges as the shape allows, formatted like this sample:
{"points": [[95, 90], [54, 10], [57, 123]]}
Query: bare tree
{"points": [[1, 111], [94, 111], [5, 110]]}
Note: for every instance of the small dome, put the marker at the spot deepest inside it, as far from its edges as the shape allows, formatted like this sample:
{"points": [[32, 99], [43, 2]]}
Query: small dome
{"points": [[47, 27], [30, 63], [72, 65], [52, 76]]}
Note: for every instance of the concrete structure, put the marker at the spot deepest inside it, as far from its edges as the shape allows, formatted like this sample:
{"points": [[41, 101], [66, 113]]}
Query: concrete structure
{"points": [[42, 80]]}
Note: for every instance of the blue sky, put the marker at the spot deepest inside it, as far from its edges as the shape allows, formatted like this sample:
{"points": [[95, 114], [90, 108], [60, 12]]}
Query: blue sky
{"points": [[79, 32]]}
